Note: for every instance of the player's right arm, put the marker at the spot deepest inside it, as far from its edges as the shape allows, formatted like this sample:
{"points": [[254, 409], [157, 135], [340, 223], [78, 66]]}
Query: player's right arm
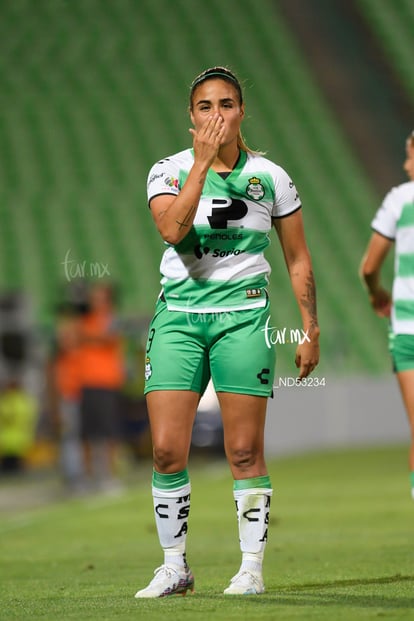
{"points": [[370, 272], [174, 215]]}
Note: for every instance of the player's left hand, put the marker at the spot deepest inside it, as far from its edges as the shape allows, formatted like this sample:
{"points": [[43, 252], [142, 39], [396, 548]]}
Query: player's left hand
{"points": [[307, 356]]}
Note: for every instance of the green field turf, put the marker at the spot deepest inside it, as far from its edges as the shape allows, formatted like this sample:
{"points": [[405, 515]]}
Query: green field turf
{"points": [[341, 546]]}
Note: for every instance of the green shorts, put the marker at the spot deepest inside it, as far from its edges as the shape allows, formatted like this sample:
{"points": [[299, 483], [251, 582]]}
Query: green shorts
{"points": [[401, 347], [185, 349]]}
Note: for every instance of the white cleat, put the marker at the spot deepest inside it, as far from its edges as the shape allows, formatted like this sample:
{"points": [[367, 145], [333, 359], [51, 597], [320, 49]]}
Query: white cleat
{"points": [[245, 583], [168, 580]]}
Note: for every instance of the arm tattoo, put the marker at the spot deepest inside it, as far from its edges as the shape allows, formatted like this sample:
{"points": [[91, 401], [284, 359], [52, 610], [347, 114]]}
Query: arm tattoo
{"points": [[187, 218], [308, 299]]}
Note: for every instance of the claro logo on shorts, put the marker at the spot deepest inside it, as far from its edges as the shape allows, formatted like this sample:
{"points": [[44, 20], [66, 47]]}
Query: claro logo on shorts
{"points": [[199, 251]]}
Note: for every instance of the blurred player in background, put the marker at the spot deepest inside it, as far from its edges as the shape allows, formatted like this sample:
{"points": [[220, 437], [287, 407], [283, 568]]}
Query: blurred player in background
{"points": [[64, 394], [394, 223], [215, 206], [102, 377], [19, 413]]}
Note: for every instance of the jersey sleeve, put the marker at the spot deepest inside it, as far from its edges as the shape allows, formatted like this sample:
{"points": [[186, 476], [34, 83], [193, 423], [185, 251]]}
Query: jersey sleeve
{"points": [[385, 220], [287, 199], [163, 179]]}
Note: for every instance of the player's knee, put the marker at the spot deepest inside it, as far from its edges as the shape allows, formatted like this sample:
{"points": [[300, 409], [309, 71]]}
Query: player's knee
{"points": [[243, 459], [167, 461]]}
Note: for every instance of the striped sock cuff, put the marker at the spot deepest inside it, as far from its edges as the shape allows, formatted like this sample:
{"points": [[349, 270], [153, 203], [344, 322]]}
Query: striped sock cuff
{"points": [[169, 482], [252, 483]]}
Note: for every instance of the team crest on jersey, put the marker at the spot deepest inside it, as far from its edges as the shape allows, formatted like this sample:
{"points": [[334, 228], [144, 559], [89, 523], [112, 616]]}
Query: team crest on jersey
{"points": [[148, 368], [255, 189]]}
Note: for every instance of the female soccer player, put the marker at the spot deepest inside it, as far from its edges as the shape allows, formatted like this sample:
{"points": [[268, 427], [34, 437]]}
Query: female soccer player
{"points": [[215, 205], [394, 222]]}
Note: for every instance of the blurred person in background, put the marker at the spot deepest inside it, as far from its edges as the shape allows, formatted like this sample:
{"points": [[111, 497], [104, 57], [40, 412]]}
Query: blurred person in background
{"points": [[134, 405], [102, 377], [64, 393], [18, 419], [208, 426], [215, 206], [393, 225]]}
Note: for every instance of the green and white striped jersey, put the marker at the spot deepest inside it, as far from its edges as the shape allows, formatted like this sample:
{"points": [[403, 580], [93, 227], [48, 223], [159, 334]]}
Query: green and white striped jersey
{"points": [[220, 266], [395, 220]]}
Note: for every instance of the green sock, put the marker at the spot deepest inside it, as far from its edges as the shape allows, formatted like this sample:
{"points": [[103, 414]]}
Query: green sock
{"points": [[170, 481], [263, 481], [412, 479]]}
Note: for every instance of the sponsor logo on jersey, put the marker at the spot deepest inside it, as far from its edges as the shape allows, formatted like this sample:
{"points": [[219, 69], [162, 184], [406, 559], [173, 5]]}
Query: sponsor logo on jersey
{"points": [[199, 251], [292, 186], [154, 177], [255, 189], [225, 236]]}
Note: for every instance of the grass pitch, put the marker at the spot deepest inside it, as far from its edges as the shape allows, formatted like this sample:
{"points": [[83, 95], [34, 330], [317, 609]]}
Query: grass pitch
{"points": [[341, 546]]}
